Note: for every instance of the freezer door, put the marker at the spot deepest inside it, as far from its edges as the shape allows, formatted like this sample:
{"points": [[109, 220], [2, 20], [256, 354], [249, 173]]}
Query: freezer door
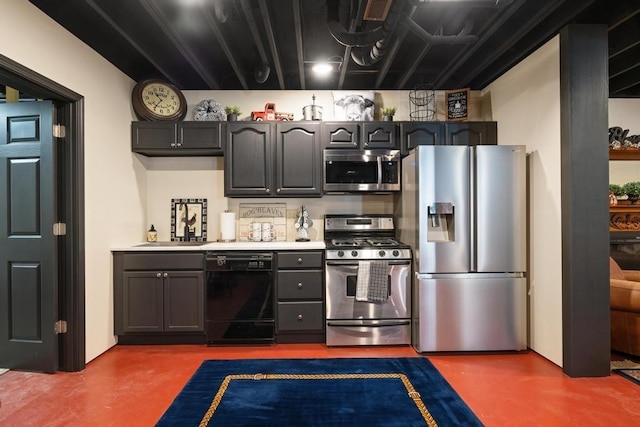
{"points": [[443, 209], [500, 196], [470, 314]]}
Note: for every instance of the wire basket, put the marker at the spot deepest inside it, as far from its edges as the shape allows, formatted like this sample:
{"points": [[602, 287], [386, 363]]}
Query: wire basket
{"points": [[422, 102]]}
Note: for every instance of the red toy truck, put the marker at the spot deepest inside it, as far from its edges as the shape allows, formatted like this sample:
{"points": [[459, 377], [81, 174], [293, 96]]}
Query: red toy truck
{"points": [[269, 113]]}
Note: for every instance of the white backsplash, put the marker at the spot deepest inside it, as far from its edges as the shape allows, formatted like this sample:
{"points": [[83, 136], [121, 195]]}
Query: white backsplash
{"points": [[203, 177]]}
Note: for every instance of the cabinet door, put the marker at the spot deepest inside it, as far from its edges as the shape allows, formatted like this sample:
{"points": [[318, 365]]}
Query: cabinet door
{"points": [[142, 308], [298, 160], [248, 160], [153, 137], [200, 137], [471, 133], [341, 134], [380, 135], [184, 301], [420, 133]]}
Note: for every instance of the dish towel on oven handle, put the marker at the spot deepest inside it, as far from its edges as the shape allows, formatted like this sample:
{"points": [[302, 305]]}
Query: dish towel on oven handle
{"points": [[372, 283]]}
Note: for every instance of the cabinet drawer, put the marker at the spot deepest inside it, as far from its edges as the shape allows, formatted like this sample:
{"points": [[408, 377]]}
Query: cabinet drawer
{"points": [[163, 261], [300, 284], [300, 316], [299, 260]]}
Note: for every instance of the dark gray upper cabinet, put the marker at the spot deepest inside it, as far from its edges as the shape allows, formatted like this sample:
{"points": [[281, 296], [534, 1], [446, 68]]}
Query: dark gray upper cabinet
{"points": [[420, 133], [273, 160], [471, 133], [176, 138], [361, 135], [380, 135], [298, 160], [447, 133], [248, 160]]}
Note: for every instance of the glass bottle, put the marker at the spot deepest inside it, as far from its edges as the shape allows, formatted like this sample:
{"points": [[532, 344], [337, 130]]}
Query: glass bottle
{"points": [[152, 234]]}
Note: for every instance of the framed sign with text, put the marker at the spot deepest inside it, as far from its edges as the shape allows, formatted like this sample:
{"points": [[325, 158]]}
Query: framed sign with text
{"points": [[457, 103]]}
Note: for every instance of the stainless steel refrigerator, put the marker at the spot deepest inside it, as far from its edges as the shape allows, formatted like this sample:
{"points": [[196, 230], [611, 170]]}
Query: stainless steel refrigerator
{"points": [[463, 211]]}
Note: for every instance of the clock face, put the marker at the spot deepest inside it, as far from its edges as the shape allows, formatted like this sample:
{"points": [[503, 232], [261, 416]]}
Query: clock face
{"points": [[158, 100]]}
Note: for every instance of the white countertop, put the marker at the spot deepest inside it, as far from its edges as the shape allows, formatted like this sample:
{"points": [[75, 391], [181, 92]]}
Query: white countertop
{"points": [[222, 246]]}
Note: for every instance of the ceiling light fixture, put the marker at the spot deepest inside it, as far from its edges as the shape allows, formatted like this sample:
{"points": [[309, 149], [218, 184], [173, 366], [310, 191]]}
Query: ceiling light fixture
{"points": [[322, 68]]}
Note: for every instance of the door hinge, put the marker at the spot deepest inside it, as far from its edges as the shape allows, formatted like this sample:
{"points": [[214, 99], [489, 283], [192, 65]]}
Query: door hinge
{"points": [[59, 131], [60, 327], [59, 229]]}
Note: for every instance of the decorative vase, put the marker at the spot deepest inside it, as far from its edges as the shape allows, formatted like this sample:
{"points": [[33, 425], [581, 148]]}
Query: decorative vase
{"points": [[232, 117], [634, 199], [387, 118]]}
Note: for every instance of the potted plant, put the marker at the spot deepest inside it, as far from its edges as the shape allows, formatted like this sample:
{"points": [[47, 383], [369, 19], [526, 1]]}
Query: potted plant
{"points": [[387, 113], [233, 111], [616, 190], [632, 190]]}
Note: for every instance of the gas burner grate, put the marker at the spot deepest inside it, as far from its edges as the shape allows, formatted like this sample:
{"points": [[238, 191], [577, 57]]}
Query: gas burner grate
{"points": [[346, 242], [382, 242]]}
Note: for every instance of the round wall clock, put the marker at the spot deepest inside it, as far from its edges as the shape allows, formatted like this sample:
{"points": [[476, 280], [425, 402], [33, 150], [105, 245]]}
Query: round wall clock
{"points": [[158, 100]]}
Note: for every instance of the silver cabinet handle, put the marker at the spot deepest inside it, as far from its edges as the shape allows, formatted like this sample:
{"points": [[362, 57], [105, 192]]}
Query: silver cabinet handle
{"points": [[299, 316], [299, 260], [268, 190], [299, 285], [165, 275], [158, 274], [278, 190]]}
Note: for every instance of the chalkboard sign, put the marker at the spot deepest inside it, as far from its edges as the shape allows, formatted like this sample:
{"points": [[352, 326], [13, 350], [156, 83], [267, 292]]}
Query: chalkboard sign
{"points": [[457, 102]]}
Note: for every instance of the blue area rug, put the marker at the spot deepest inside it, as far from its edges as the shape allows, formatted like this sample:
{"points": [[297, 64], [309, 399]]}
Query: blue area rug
{"points": [[318, 392]]}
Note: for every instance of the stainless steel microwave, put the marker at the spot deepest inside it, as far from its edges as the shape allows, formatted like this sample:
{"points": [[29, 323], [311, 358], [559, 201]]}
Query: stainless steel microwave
{"points": [[348, 171]]}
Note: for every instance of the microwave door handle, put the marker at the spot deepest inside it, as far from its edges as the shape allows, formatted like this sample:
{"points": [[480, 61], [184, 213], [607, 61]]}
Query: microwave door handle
{"points": [[379, 160]]}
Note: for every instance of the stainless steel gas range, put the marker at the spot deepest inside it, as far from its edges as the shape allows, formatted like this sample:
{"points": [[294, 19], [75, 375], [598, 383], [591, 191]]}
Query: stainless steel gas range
{"points": [[368, 282]]}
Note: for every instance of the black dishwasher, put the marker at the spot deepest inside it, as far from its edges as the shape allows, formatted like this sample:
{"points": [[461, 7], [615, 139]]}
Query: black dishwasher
{"points": [[240, 298]]}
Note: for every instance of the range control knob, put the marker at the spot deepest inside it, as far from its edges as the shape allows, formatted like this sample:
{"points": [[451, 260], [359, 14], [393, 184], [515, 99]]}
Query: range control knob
{"points": [[396, 252], [354, 254], [340, 253], [382, 254]]}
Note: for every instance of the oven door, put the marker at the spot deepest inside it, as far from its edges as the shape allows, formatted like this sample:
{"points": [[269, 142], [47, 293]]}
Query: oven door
{"points": [[341, 304]]}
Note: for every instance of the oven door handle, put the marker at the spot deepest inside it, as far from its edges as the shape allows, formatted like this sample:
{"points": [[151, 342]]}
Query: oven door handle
{"points": [[374, 324], [355, 264]]}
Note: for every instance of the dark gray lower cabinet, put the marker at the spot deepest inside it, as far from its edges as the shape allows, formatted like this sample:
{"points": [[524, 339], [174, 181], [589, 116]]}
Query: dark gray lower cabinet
{"points": [[300, 296], [159, 297]]}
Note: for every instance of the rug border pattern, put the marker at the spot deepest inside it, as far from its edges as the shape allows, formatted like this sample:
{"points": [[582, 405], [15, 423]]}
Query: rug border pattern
{"points": [[411, 391]]}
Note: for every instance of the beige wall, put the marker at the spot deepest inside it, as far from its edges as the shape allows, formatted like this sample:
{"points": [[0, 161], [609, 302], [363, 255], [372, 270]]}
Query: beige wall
{"points": [[624, 113], [526, 104], [114, 183], [125, 192]]}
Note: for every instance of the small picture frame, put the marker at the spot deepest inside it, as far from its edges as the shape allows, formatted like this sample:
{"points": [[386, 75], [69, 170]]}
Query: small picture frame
{"points": [[191, 213], [457, 104]]}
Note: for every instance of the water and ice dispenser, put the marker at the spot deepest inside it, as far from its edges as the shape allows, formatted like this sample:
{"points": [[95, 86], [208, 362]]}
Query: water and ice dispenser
{"points": [[441, 224]]}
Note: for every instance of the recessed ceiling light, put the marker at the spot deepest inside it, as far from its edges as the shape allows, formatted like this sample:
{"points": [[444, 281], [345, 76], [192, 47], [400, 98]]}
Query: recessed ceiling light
{"points": [[322, 68]]}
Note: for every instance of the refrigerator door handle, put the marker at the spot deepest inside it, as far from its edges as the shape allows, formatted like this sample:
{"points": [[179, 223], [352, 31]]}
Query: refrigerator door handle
{"points": [[473, 263]]}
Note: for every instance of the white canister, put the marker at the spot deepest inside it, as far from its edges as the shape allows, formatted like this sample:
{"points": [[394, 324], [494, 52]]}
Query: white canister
{"points": [[267, 232], [256, 232]]}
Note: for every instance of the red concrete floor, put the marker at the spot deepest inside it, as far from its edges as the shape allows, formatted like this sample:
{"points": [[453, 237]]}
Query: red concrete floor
{"points": [[134, 385]]}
